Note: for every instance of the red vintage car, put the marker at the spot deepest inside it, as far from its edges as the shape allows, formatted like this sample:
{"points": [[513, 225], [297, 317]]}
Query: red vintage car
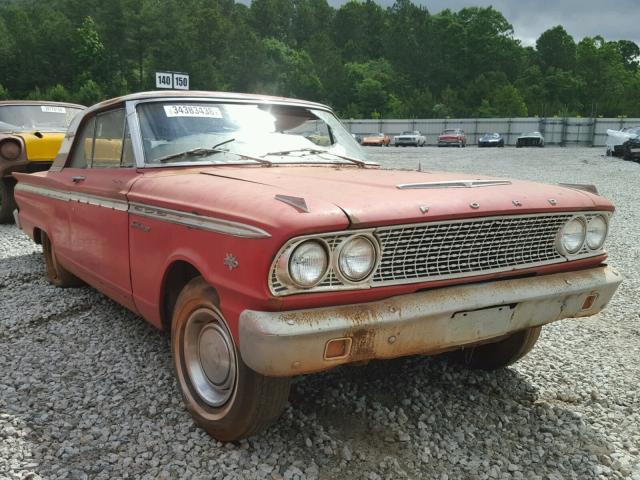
{"points": [[265, 255], [454, 137]]}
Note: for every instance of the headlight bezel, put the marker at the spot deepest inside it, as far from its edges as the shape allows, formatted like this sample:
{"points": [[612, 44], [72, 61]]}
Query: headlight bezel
{"points": [[284, 263], [7, 142], [605, 234], [561, 247], [339, 251]]}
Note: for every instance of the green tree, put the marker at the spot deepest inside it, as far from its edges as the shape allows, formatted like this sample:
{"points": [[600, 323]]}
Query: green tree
{"points": [[556, 49]]}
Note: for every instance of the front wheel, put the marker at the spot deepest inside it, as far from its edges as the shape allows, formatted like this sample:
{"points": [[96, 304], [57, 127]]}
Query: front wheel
{"points": [[492, 356], [225, 397], [7, 202]]}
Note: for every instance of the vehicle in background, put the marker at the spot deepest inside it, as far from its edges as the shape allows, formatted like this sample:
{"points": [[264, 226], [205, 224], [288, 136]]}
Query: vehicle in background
{"points": [[617, 138], [452, 137], [531, 139], [491, 140], [631, 149], [266, 256], [410, 138], [30, 135], [376, 140]]}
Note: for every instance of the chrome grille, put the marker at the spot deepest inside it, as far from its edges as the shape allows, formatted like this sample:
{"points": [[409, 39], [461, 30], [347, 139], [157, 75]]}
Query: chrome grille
{"points": [[466, 247], [452, 249]]}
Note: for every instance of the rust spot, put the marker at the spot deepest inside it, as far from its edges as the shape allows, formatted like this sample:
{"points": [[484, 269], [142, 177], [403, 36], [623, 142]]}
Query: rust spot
{"points": [[362, 346]]}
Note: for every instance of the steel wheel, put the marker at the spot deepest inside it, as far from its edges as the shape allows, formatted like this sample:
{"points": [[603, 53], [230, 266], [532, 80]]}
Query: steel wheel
{"points": [[224, 396], [210, 357]]}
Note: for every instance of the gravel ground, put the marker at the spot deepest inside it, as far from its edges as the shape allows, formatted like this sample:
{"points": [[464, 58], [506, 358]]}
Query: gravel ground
{"points": [[87, 389]]}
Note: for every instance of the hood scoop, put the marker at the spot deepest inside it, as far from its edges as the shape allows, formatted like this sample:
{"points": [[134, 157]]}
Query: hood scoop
{"points": [[452, 184], [296, 202]]}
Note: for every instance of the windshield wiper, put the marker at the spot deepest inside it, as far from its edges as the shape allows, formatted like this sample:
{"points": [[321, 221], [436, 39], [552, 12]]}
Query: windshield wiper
{"points": [[317, 151], [199, 152], [194, 152]]}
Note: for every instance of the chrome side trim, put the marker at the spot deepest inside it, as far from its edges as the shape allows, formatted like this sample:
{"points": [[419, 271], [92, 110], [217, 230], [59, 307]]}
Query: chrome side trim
{"points": [[75, 197], [200, 222], [453, 184], [191, 220]]}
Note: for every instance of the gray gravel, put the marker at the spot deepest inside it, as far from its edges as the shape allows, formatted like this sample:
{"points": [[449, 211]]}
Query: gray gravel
{"points": [[87, 389]]}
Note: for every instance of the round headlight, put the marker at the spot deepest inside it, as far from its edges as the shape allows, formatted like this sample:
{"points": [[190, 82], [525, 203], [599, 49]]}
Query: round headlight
{"points": [[357, 258], [308, 263], [596, 232], [573, 234], [10, 149]]}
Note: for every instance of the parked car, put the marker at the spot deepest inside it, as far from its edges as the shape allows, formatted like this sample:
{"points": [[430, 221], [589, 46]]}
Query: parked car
{"points": [[453, 137], [376, 140], [414, 138], [617, 138], [531, 139], [631, 149], [491, 140], [30, 135], [266, 256]]}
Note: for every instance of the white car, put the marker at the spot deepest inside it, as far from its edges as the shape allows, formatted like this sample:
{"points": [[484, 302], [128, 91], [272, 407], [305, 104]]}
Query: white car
{"points": [[616, 138], [414, 138]]}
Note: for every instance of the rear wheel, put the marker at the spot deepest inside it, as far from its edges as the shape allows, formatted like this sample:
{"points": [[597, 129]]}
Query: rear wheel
{"points": [[7, 202], [56, 273], [492, 356], [225, 397]]}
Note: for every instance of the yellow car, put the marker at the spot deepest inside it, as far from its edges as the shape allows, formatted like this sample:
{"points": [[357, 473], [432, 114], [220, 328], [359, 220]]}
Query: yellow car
{"points": [[31, 133]]}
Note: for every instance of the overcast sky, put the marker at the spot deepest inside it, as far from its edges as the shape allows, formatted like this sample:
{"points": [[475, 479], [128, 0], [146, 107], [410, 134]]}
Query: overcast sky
{"points": [[613, 19]]}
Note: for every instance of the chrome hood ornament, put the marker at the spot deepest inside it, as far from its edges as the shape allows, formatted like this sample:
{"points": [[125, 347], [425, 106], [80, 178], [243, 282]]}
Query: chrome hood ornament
{"points": [[296, 202], [453, 184]]}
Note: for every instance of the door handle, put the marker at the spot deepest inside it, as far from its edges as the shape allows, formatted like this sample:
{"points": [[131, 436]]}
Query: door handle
{"points": [[77, 179]]}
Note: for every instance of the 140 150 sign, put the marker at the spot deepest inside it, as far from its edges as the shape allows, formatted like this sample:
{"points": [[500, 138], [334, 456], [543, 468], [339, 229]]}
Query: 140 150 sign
{"points": [[172, 80]]}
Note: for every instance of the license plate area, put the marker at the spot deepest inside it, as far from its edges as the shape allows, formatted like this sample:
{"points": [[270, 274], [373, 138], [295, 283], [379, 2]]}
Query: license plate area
{"points": [[484, 322]]}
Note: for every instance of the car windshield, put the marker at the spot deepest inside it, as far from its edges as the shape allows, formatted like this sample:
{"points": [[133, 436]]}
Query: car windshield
{"points": [[410, 133], [45, 118], [218, 133], [449, 132], [531, 134], [492, 135]]}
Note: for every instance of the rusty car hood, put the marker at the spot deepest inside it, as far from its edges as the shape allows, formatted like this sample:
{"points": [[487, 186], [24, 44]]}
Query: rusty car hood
{"points": [[368, 197]]}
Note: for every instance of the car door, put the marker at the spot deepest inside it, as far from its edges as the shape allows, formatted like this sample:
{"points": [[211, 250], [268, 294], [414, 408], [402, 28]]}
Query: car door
{"points": [[99, 175]]}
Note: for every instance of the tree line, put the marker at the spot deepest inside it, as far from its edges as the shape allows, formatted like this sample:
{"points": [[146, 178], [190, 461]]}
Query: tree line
{"points": [[363, 59]]}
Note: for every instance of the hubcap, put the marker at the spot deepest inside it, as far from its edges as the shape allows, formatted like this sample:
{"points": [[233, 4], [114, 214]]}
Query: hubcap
{"points": [[210, 357]]}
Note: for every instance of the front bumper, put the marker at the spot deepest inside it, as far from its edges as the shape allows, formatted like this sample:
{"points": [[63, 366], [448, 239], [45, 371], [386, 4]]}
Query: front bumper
{"points": [[293, 342]]}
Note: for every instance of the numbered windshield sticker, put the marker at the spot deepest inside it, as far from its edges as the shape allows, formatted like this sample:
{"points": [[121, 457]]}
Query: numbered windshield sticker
{"points": [[192, 111], [50, 109]]}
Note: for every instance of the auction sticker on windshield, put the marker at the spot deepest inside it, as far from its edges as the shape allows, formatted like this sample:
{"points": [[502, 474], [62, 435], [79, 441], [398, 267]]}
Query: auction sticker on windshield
{"points": [[192, 111], [50, 109]]}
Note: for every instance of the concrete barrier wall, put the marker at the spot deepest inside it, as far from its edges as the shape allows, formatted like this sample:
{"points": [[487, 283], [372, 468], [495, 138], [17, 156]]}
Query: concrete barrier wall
{"points": [[565, 131]]}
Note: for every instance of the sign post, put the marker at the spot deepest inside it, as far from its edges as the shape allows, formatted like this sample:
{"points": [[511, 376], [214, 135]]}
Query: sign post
{"points": [[172, 80]]}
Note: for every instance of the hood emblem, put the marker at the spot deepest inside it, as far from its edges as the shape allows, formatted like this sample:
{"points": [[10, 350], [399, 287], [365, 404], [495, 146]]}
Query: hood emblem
{"points": [[553, 201], [424, 209], [474, 205], [296, 202], [231, 261], [516, 203], [453, 184]]}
